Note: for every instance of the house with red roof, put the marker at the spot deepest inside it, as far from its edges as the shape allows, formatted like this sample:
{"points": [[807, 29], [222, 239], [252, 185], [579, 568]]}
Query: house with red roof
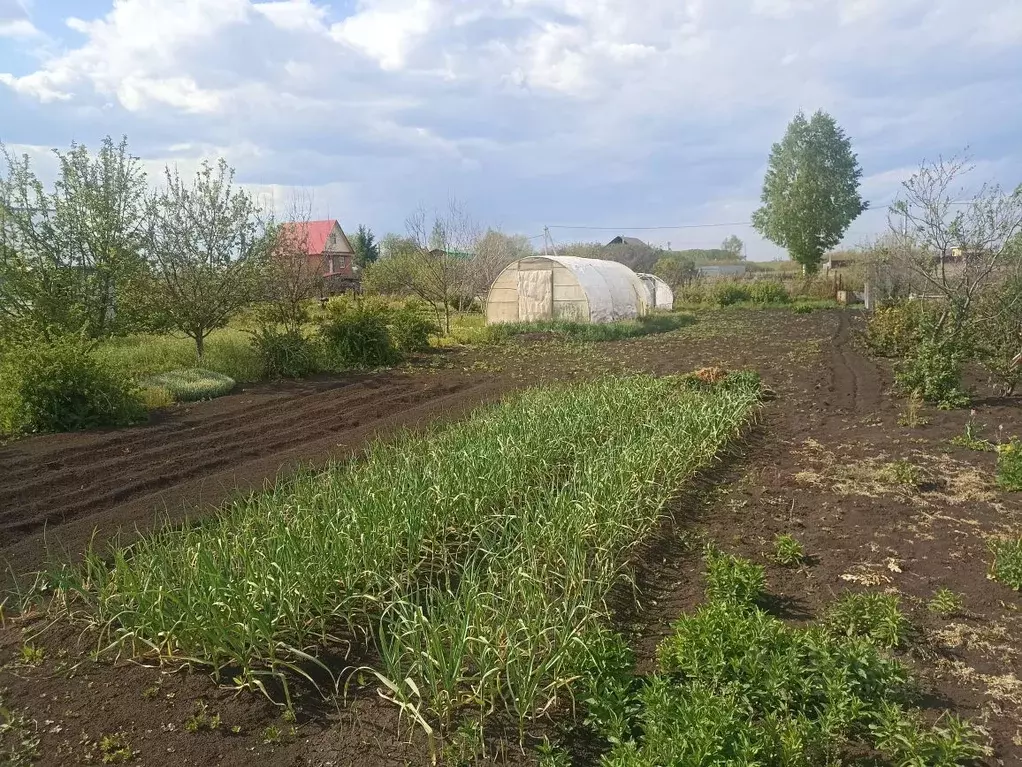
{"points": [[329, 252]]}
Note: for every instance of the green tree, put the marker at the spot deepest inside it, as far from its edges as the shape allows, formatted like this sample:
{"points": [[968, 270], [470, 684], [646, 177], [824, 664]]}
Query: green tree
{"points": [[208, 248], [734, 246], [70, 257], [367, 250], [811, 191], [676, 271]]}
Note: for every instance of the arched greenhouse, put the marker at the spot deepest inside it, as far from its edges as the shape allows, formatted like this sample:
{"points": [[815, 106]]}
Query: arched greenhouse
{"points": [[564, 287], [660, 295]]}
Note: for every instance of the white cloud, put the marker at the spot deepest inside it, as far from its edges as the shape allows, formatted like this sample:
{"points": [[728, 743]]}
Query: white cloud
{"points": [[18, 28], [294, 15], [136, 53], [387, 30], [663, 104]]}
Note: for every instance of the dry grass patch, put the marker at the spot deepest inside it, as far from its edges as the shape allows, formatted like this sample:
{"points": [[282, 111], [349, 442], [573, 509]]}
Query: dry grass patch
{"points": [[923, 479]]}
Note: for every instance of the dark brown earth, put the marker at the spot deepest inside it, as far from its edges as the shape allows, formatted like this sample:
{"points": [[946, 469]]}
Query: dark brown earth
{"points": [[811, 467]]}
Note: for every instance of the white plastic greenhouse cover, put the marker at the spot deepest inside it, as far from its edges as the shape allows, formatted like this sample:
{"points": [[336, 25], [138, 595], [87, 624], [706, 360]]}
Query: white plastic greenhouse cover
{"points": [[658, 292], [614, 291]]}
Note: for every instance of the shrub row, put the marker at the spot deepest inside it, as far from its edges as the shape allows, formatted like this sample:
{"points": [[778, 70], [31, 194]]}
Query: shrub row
{"points": [[65, 384], [360, 333], [733, 292]]}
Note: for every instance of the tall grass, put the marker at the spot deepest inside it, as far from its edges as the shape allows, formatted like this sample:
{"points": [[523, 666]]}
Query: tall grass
{"points": [[227, 351], [586, 331], [475, 562]]}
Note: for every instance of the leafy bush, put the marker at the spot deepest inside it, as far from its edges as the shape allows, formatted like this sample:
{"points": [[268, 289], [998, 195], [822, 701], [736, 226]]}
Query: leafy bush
{"points": [[285, 353], [768, 292], [1009, 465], [998, 334], [732, 580], [933, 370], [356, 335], [192, 384], [1007, 564], [803, 308], [738, 686], [411, 330], [893, 331], [788, 551], [59, 385], [876, 617], [728, 293]]}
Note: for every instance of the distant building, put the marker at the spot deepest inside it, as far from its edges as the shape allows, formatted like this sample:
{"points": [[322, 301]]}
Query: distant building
{"points": [[634, 241], [843, 259], [716, 271], [329, 253]]}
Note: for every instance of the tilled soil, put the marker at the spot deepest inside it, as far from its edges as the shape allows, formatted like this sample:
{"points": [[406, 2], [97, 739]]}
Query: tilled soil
{"points": [[811, 467], [57, 492]]}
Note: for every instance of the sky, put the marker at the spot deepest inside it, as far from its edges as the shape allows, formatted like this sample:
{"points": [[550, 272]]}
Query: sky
{"points": [[607, 115]]}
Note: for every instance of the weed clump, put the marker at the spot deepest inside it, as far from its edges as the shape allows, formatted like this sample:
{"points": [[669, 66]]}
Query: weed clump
{"points": [[788, 551], [286, 353], [946, 603], [1007, 564], [875, 617], [733, 581], [355, 335], [738, 686]]}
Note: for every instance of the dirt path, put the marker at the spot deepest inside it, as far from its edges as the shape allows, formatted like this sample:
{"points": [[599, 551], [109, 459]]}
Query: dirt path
{"points": [[855, 380], [56, 492]]}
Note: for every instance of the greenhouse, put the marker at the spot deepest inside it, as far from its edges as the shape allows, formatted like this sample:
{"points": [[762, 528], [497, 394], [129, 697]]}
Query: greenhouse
{"points": [[566, 288], [659, 293]]}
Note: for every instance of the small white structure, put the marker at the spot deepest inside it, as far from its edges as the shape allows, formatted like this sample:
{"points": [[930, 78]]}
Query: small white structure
{"points": [[568, 288], [660, 295]]}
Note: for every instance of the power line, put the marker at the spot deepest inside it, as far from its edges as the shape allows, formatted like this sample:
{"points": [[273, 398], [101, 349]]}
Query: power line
{"points": [[649, 228], [693, 226]]}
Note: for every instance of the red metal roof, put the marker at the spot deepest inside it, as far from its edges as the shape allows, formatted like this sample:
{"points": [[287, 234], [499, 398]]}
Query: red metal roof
{"points": [[313, 233]]}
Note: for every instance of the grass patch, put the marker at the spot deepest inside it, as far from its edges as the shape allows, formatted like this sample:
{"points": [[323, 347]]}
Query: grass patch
{"points": [[1007, 564], [475, 560], [737, 686], [229, 352], [587, 331], [155, 397], [191, 384], [1009, 465]]}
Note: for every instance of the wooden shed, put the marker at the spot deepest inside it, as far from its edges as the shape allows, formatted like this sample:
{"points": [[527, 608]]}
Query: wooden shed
{"points": [[564, 287]]}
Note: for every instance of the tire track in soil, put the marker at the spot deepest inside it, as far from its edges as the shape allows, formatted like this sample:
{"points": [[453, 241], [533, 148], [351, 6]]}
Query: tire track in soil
{"points": [[192, 461], [854, 379]]}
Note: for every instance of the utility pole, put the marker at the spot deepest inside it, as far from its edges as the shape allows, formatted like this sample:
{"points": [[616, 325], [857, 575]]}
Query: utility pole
{"points": [[549, 248]]}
